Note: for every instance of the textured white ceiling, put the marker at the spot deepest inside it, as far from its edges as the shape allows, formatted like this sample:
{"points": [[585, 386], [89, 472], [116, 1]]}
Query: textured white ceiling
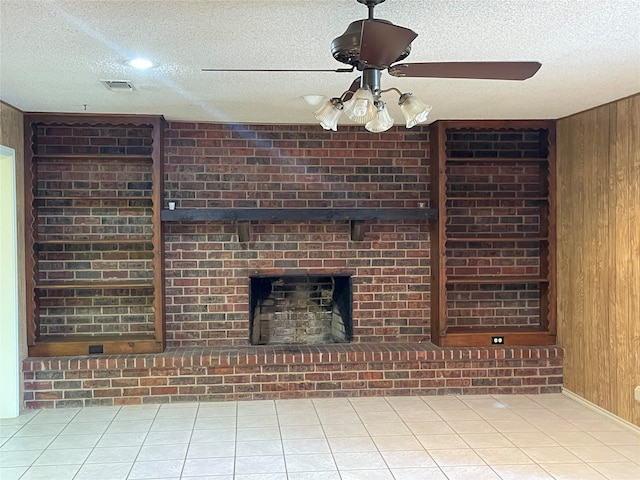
{"points": [[53, 54]]}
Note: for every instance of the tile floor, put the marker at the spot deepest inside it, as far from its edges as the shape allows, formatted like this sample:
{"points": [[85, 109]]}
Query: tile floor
{"points": [[401, 438]]}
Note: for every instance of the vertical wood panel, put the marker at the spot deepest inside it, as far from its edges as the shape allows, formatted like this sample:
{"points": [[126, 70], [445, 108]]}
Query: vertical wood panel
{"points": [[596, 254], [627, 261], [599, 254]]}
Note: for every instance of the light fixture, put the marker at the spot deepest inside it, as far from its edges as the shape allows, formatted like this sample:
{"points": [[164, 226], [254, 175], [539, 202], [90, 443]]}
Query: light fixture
{"points": [[314, 99], [382, 121], [414, 110], [360, 108], [140, 63], [365, 106], [328, 114]]}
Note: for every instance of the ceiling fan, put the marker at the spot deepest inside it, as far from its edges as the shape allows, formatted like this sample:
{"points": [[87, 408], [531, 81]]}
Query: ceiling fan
{"points": [[373, 45]]}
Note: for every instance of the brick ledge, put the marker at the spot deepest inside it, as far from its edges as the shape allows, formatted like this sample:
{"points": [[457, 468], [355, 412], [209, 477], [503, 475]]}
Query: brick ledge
{"points": [[199, 374]]}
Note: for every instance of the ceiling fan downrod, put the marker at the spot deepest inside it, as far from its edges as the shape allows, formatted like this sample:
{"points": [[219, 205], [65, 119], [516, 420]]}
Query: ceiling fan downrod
{"points": [[371, 4]]}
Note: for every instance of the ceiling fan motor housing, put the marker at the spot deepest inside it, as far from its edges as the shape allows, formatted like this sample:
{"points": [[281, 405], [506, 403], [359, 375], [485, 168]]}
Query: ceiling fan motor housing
{"points": [[346, 47]]}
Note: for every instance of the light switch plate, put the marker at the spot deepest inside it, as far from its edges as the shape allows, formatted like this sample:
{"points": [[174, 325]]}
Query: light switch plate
{"points": [[637, 393]]}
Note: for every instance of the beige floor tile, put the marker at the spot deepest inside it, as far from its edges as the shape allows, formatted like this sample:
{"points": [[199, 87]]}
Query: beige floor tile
{"points": [[113, 454], [441, 442], [211, 450], [51, 472], [471, 426], [391, 443], [503, 456], [408, 459], [260, 464], [258, 447], [198, 467], [521, 472], [306, 446], [174, 451], [352, 444], [310, 462], [105, 471], [156, 469], [380, 474], [572, 471], [597, 454], [530, 439], [418, 473], [617, 437], [459, 415], [503, 437], [456, 457], [71, 456], [551, 455], [486, 440], [619, 470], [12, 473], [359, 461], [477, 472]]}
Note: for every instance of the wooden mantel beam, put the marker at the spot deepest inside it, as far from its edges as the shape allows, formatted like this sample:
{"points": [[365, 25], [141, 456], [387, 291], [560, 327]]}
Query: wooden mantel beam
{"points": [[297, 214]]}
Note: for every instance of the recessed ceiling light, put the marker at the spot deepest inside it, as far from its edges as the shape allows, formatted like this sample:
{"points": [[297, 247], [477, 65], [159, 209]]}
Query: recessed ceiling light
{"points": [[140, 63]]}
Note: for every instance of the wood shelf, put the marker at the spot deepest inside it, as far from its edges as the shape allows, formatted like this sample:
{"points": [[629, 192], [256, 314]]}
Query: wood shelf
{"points": [[495, 279], [496, 239], [297, 214], [497, 159], [88, 241], [482, 336], [110, 199], [58, 345], [138, 190], [94, 284], [540, 195], [511, 199], [91, 156]]}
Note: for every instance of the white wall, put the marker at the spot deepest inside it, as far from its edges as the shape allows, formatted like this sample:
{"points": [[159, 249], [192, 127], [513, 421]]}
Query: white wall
{"points": [[9, 344]]}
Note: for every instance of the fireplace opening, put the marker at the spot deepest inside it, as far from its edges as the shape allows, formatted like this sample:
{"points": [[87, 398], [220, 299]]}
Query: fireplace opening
{"points": [[300, 309]]}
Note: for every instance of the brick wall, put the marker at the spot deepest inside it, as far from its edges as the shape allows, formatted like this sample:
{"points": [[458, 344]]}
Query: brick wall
{"points": [[233, 166], [254, 373], [507, 143], [287, 166]]}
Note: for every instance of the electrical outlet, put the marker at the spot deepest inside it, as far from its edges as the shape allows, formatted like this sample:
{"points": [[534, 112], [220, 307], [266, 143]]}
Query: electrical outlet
{"points": [[637, 393], [497, 340]]}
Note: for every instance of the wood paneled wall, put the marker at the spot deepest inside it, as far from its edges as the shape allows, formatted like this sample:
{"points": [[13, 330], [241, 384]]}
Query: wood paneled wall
{"points": [[598, 154]]}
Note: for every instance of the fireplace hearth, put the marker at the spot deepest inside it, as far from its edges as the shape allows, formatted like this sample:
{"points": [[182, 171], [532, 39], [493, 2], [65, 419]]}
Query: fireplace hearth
{"points": [[300, 309]]}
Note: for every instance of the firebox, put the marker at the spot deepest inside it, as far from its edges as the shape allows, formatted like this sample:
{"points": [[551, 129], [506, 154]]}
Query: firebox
{"points": [[300, 309]]}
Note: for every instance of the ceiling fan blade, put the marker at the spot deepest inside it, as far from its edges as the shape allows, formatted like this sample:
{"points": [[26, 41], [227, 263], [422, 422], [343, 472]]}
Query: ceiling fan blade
{"points": [[355, 85], [339, 70], [383, 43], [477, 70]]}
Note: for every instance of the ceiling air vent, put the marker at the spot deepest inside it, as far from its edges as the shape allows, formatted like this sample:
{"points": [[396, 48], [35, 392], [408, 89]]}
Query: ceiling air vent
{"points": [[118, 85]]}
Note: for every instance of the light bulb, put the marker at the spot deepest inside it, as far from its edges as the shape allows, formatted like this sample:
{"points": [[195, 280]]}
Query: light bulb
{"points": [[361, 108]]}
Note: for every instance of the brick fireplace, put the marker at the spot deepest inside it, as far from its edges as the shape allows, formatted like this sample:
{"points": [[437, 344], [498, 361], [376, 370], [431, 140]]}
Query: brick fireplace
{"points": [[220, 279], [209, 271]]}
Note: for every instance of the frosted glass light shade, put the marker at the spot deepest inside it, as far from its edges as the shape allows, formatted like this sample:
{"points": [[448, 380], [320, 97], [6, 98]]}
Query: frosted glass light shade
{"points": [[415, 111], [360, 108], [329, 113], [382, 121]]}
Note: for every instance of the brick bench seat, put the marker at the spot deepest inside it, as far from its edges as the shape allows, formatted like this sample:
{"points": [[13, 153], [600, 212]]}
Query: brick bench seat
{"points": [[189, 374]]}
